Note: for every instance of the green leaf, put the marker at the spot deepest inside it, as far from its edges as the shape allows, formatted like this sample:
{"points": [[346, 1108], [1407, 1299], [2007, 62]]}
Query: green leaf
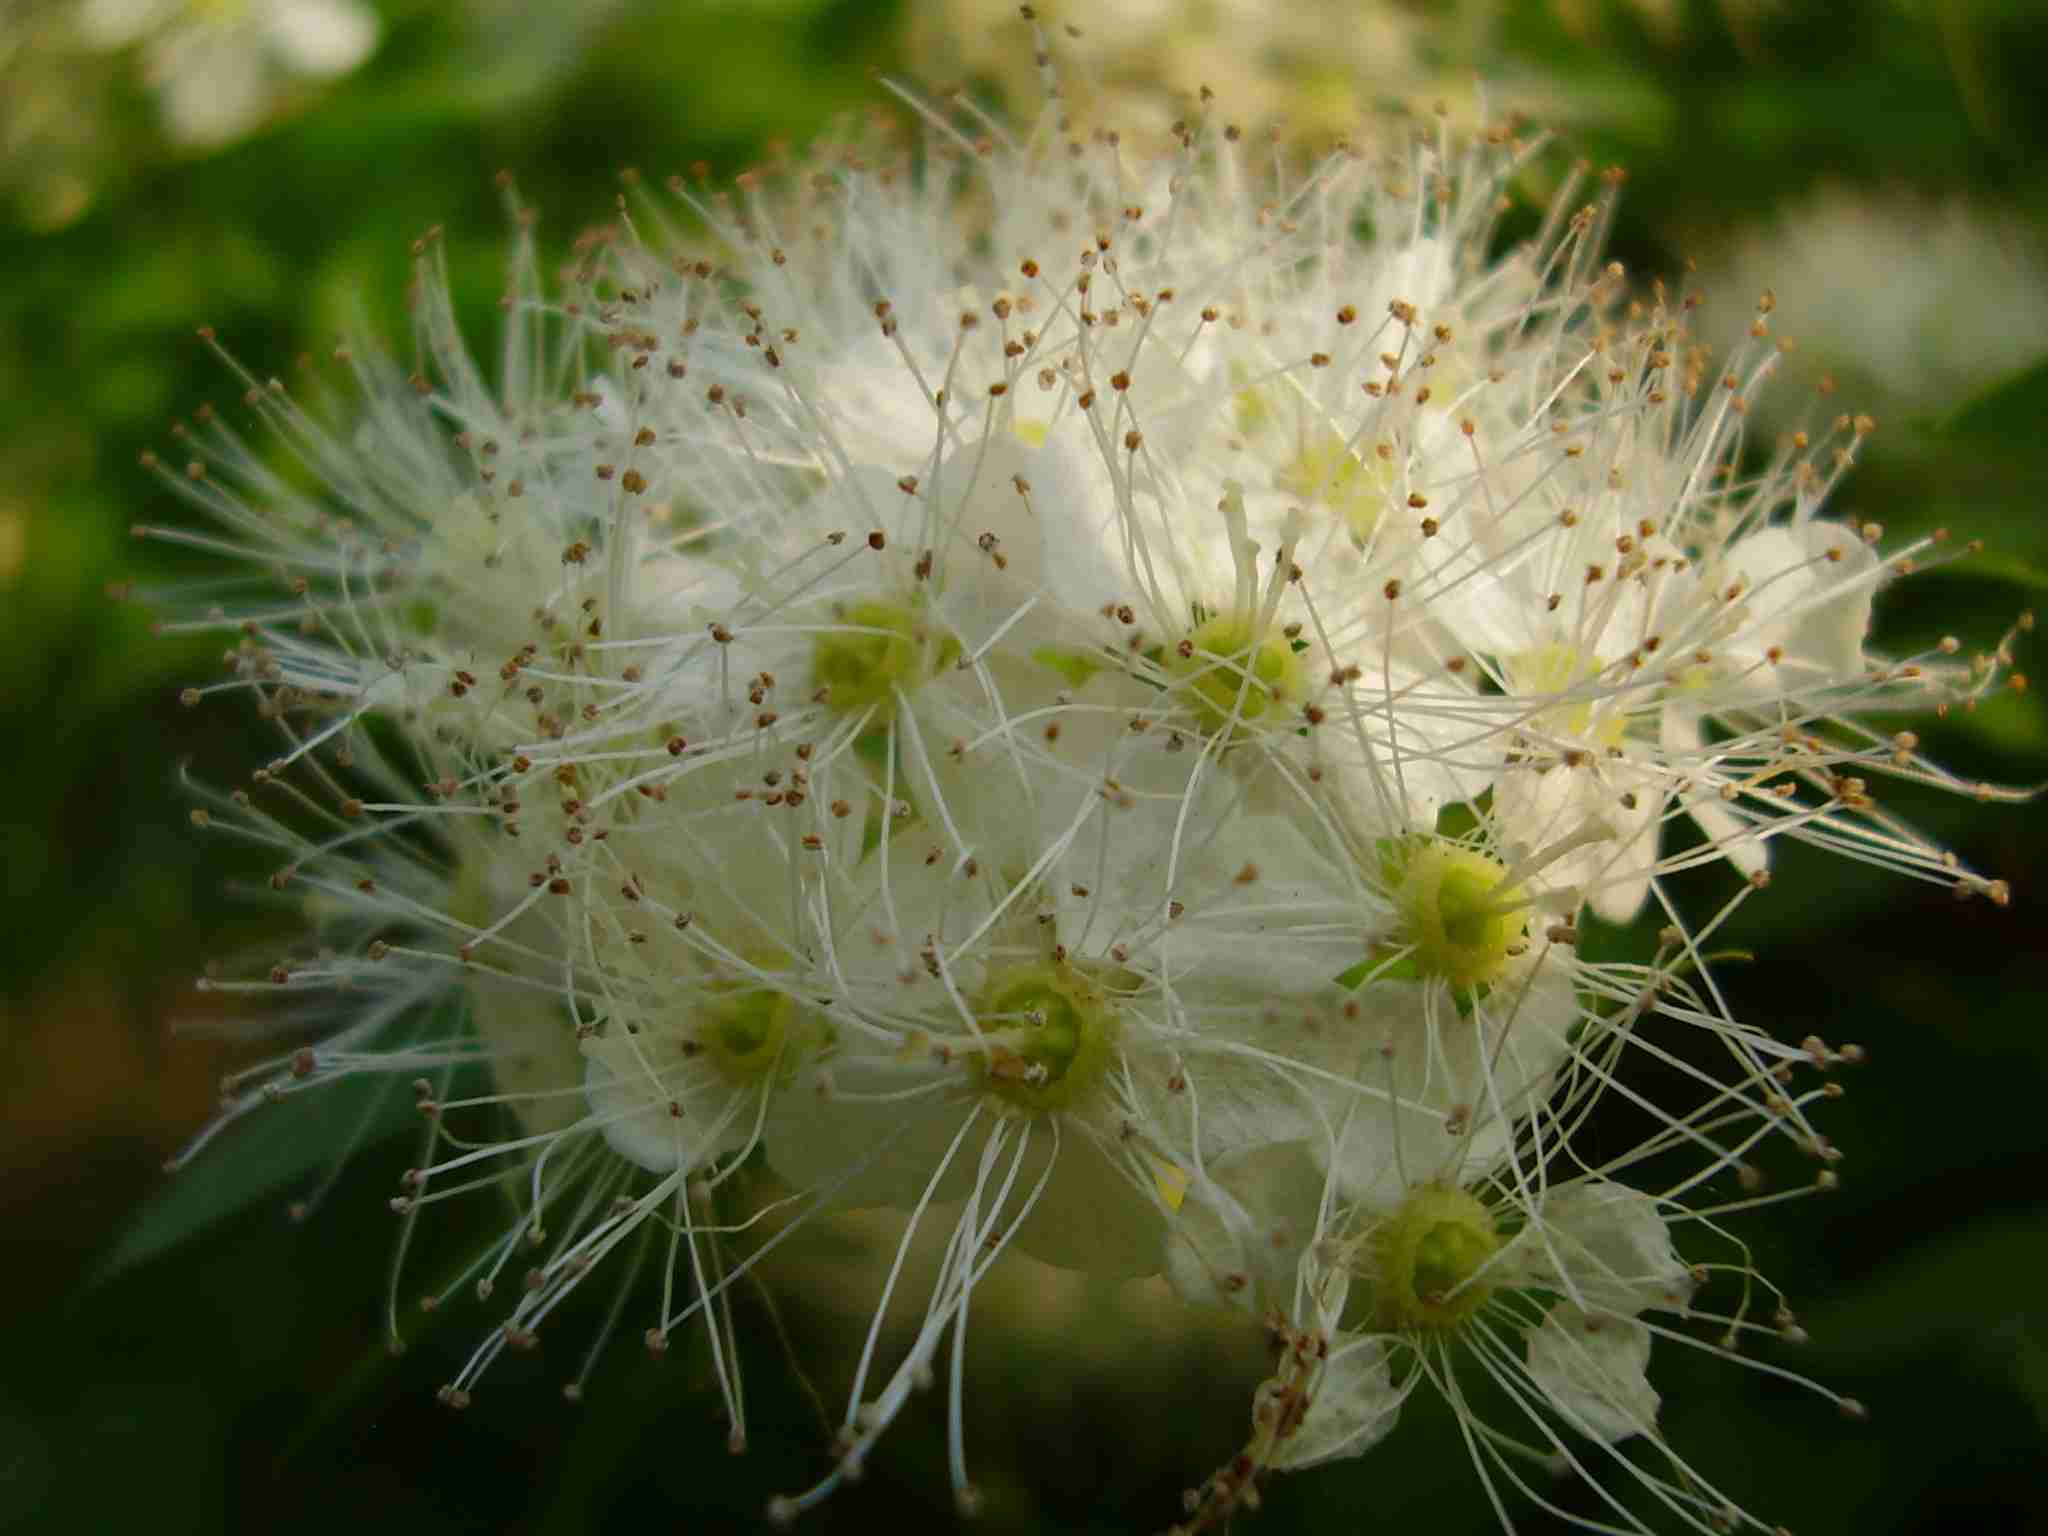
{"points": [[2010, 412], [2002, 564], [2008, 722], [1460, 819], [1464, 999], [872, 748], [1602, 942], [371, 1369], [283, 1150], [1975, 1290], [1379, 968]]}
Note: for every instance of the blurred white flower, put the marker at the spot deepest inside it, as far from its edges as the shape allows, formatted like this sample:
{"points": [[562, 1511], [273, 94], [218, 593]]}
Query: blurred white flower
{"points": [[57, 132], [1908, 302], [1133, 65], [221, 67]]}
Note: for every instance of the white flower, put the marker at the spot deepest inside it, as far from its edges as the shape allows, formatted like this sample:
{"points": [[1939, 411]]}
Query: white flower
{"points": [[222, 66], [1541, 1291], [1655, 641]]}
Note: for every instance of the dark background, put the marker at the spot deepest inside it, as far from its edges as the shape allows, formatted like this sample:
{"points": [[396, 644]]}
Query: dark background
{"points": [[237, 1380]]}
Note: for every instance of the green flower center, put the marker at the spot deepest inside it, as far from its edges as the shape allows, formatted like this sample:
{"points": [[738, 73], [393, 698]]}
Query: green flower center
{"points": [[1050, 1036], [883, 647], [1560, 669], [1325, 471], [1236, 674], [1425, 1257], [743, 1032], [1462, 922]]}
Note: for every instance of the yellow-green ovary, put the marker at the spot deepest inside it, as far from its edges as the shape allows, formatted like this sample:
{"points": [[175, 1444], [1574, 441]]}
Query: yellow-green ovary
{"points": [[1233, 672], [1457, 913], [1051, 1036], [879, 648], [1426, 1256]]}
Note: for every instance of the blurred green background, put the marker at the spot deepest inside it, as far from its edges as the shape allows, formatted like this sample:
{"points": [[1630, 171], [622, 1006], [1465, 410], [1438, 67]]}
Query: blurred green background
{"points": [[1880, 162]]}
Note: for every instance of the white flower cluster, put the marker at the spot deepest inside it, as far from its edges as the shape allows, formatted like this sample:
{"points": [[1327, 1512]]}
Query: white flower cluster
{"points": [[1090, 703]]}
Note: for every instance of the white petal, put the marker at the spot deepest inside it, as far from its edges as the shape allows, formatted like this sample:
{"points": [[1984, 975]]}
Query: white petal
{"points": [[1238, 1236], [1261, 908], [1830, 634], [1607, 1247], [658, 1109], [1538, 810], [533, 1053], [1806, 593], [1439, 1093], [1593, 1369], [1739, 841], [1618, 891], [1417, 751], [882, 1154], [1355, 1405], [1091, 1217]]}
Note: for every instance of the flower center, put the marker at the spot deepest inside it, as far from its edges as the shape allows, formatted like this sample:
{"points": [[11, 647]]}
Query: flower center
{"points": [[1463, 926], [1235, 674], [1559, 669], [1050, 1036], [743, 1032], [1326, 472], [1425, 1257], [881, 647], [1323, 471]]}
